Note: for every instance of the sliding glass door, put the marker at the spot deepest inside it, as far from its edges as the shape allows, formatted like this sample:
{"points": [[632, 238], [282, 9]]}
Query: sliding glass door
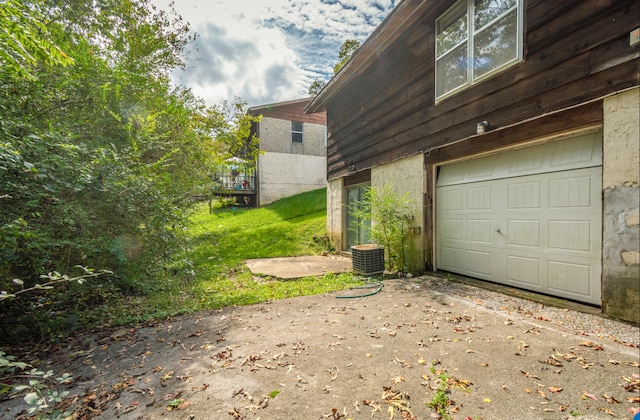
{"points": [[357, 229]]}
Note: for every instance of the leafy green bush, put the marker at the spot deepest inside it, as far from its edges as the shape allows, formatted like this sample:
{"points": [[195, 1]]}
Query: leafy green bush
{"points": [[99, 152], [387, 216]]}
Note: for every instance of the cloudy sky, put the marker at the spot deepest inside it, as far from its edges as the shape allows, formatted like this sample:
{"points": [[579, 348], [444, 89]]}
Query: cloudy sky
{"points": [[266, 51]]}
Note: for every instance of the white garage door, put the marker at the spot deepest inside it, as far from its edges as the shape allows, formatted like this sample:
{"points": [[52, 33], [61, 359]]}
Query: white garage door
{"points": [[528, 217]]}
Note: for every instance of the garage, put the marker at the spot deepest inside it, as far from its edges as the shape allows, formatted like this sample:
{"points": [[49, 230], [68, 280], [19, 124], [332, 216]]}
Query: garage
{"points": [[528, 217]]}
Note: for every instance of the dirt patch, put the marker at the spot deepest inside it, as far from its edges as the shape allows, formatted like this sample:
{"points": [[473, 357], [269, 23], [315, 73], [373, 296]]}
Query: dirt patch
{"points": [[422, 341]]}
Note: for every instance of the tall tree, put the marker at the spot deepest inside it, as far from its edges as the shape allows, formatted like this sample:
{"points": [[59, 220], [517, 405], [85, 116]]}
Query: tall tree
{"points": [[99, 157], [25, 39], [347, 49], [316, 87]]}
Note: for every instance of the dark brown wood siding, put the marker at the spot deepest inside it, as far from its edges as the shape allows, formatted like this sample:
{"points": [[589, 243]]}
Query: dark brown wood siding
{"points": [[575, 52]]}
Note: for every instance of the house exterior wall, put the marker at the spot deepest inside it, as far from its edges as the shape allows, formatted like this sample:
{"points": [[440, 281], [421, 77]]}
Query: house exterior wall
{"points": [[405, 177], [621, 185], [336, 217], [275, 136], [286, 168], [578, 72], [284, 174]]}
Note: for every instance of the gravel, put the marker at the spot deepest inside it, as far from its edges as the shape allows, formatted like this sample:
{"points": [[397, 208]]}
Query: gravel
{"points": [[569, 320]]}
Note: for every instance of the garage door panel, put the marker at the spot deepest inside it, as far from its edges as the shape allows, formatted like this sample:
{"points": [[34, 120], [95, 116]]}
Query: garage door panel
{"points": [[452, 229], [452, 258], [479, 263], [571, 280], [574, 152], [570, 235], [526, 160], [451, 199], [479, 198], [479, 230], [524, 233], [539, 231], [523, 195], [572, 192], [523, 270], [476, 262]]}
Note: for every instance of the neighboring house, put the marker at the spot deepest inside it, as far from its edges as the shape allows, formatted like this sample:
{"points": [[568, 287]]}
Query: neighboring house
{"points": [[293, 157], [515, 127]]}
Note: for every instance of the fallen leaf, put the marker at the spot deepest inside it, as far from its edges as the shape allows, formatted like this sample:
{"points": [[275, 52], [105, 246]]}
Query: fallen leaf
{"points": [[555, 389], [374, 407], [541, 393], [397, 379], [606, 410], [586, 343], [568, 356], [487, 400], [236, 414], [583, 364], [530, 375], [586, 395], [523, 346], [610, 400]]}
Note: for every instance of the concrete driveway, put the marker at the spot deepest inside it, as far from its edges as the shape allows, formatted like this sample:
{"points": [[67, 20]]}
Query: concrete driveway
{"points": [[417, 347]]}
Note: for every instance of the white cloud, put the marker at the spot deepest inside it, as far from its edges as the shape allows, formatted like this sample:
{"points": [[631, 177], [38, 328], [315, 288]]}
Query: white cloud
{"points": [[272, 51]]}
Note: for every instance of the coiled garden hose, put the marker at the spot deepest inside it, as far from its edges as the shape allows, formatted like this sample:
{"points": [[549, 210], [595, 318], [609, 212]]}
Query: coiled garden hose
{"points": [[370, 284]]}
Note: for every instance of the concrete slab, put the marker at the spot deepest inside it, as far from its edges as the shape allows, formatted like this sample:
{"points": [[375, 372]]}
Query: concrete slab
{"points": [[297, 267]]}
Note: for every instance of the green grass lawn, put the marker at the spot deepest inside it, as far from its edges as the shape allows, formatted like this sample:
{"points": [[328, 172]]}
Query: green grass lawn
{"points": [[223, 240]]}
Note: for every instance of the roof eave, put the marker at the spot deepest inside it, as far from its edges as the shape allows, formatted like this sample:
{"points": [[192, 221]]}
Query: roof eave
{"points": [[384, 35]]}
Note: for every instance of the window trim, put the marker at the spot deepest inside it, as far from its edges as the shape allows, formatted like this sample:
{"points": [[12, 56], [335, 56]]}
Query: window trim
{"points": [[301, 132], [470, 38]]}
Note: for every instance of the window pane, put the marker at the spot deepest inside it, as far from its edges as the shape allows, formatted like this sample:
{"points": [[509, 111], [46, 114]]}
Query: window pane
{"points": [[451, 70], [296, 126], [452, 29], [488, 10], [496, 45], [296, 131]]}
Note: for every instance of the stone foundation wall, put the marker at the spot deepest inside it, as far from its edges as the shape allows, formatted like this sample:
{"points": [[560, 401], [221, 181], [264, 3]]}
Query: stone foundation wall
{"points": [[621, 207]]}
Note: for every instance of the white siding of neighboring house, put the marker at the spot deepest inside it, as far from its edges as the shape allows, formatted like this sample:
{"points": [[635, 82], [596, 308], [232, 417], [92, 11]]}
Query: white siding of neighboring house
{"points": [[286, 168]]}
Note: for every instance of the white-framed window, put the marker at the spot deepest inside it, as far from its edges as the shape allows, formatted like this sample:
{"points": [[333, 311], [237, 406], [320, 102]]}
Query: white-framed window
{"points": [[476, 38], [296, 131]]}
